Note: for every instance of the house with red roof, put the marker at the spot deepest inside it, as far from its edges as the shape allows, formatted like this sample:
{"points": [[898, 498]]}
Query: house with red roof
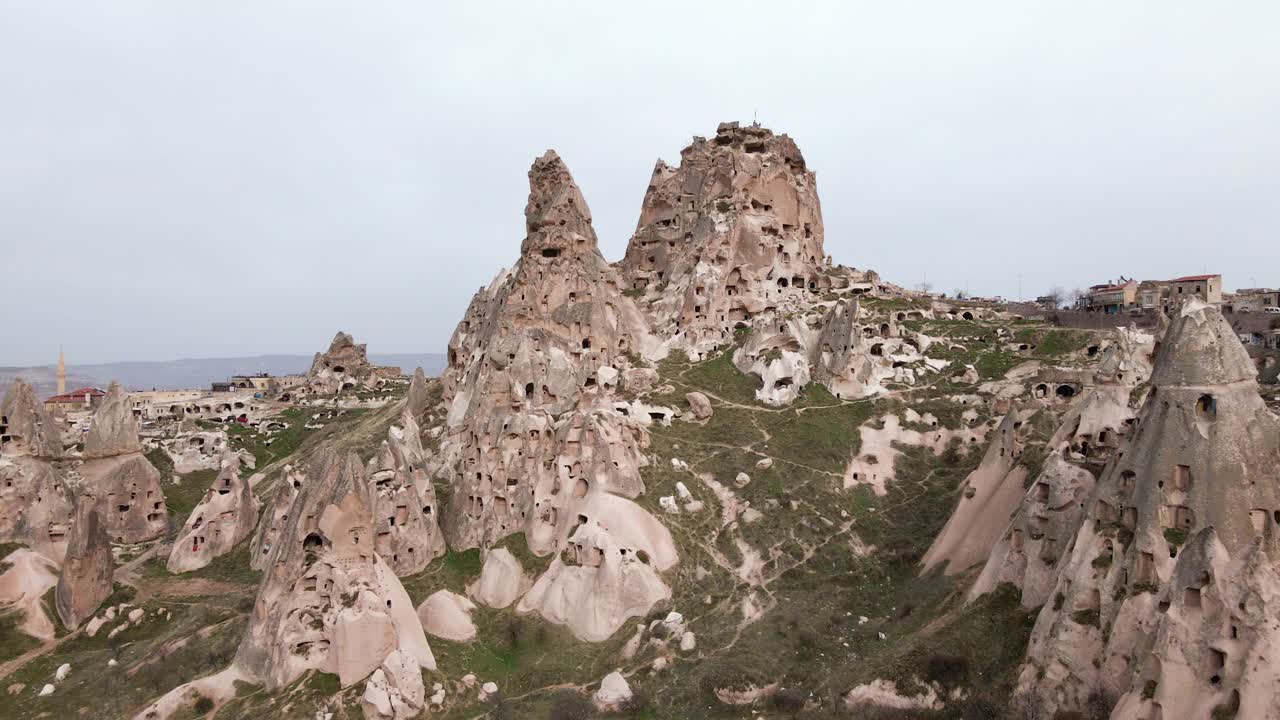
{"points": [[86, 398]]}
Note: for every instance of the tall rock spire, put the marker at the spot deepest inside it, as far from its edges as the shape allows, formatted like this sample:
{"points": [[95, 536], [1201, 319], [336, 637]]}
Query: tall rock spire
{"points": [[1163, 544]]}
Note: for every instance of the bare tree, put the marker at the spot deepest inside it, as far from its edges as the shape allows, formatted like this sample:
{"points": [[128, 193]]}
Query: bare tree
{"points": [[1057, 295], [1076, 295], [925, 286]]}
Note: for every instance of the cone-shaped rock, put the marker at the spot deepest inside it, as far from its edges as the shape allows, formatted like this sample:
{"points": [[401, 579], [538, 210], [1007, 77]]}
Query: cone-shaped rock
{"points": [[327, 600], [225, 515], [404, 504], [113, 430], [418, 400], [24, 428], [533, 424], [35, 504], [85, 580], [1204, 455]]}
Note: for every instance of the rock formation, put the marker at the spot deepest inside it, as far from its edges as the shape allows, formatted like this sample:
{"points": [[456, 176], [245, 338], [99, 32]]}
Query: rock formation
{"points": [[608, 571], [533, 426], [1028, 553], [988, 496], [502, 580], [345, 366], [87, 569], [25, 430], [35, 503], [418, 400], [447, 615], [395, 690], [125, 483], [852, 353], [734, 231], [327, 599], [1162, 600], [226, 515], [406, 534], [277, 516]]}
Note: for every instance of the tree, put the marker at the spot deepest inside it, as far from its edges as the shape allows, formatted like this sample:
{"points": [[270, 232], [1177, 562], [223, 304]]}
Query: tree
{"points": [[1057, 295], [925, 286]]}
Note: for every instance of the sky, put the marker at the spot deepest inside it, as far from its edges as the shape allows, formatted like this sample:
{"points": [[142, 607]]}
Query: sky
{"points": [[236, 178]]}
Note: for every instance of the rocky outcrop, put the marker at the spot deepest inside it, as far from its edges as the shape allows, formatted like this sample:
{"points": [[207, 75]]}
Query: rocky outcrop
{"points": [[1161, 602], [126, 484], [35, 502], [1028, 553], [502, 580], [988, 496], [607, 572], [533, 424], [25, 430], [225, 516], [854, 354], [276, 516], [395, 690], [327, 600], [87, 569], [418, 400], [343, 367], [406, 534], [447, 615], [113, 431], [733, 232]]}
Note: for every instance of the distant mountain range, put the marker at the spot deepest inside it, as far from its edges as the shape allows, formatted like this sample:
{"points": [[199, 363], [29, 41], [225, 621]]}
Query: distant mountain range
{"points": [[192, 372]]}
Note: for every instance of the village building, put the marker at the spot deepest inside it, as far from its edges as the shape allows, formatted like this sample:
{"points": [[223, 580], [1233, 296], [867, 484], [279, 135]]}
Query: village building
{"points": [[1257, 300], [1206, 287], [1111, 298], [79, 400]]}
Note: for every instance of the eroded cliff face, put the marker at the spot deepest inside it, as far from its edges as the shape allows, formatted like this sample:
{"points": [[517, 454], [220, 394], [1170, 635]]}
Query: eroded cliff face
{"points": [[327, 600], [1157, 601]]}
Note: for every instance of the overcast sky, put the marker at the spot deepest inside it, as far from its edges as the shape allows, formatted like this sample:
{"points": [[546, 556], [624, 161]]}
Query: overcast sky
{"points": [[235, 178]]}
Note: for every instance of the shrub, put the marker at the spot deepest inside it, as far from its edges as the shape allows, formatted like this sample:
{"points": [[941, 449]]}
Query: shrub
{"points": [[204, 705], [946, 670], [569, 705]]}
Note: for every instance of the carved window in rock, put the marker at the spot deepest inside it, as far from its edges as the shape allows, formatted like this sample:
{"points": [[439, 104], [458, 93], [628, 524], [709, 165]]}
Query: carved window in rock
{"points": [[1182, 478]]}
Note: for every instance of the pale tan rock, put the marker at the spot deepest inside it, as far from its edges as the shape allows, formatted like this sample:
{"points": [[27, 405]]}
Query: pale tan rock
{"points": [[395, 690], [406, 534], [699, 404], [614, 692], [502, 580], [447, 615], [418, 400], [532, 430], [327, 599], [87, 569], [225, 516], [1177, 532], [112, 431], [25, 430], [734, 231], [130, 501], [25, 578], [988, 497]]}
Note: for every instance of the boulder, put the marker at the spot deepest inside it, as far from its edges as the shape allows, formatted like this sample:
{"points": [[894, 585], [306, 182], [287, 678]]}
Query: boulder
{"points": [[699, 404], [447, 615]]}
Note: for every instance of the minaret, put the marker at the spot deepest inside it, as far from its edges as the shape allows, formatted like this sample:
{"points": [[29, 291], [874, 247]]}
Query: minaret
{"points": [[62, 373]]}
